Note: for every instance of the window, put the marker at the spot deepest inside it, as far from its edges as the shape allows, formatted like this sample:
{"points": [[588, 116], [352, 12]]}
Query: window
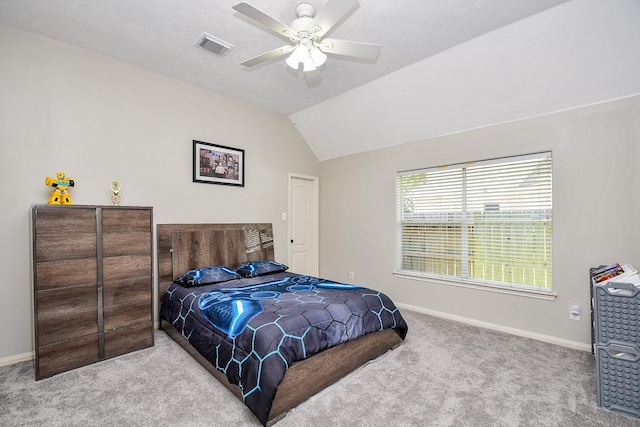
{"points": [[485, 222]]}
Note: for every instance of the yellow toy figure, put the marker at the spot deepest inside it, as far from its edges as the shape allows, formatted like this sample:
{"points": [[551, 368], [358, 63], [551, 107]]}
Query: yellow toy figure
{"points": [[60, 192]]}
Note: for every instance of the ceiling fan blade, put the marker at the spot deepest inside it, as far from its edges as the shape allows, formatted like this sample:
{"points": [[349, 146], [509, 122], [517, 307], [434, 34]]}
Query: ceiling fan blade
{"points": [[264, 19], [267, 56], [331, 13], [350, 48]]}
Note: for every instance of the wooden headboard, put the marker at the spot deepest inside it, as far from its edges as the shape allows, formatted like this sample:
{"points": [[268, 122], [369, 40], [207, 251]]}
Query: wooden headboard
{"points": [[182, 247]]}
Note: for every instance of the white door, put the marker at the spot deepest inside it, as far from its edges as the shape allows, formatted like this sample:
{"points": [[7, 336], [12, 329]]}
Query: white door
{"points": [[303, 224]]}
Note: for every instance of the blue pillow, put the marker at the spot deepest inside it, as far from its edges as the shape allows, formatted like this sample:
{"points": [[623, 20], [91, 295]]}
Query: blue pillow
{"points": [[206, 276], [260, 268]]}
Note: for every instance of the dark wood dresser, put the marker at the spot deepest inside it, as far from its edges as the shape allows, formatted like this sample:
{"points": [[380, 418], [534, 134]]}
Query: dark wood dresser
{"points": [[93, 284]]}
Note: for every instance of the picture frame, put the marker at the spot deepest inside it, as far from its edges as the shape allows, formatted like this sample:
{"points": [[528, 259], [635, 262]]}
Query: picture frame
{"points": [[217, 164]]}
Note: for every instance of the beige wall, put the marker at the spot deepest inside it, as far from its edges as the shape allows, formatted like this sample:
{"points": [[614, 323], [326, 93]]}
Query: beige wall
{"points": [[63, 108], [97, 119], [596, 153]]}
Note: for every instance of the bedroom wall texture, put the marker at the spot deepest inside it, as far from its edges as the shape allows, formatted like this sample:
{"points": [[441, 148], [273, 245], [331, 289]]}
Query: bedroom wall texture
{"points": [[97, 119], [596, 153]]}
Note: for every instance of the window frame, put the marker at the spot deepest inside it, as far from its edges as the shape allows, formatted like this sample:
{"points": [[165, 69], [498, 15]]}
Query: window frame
{"points": [[470, 282]]}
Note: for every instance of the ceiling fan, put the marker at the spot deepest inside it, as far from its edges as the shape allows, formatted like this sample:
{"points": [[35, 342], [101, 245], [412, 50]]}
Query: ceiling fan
{"points": [[308, 47]]}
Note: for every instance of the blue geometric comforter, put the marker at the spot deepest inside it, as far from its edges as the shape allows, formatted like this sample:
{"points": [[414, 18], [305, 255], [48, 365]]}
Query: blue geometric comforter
{"points": [[253, 329]]}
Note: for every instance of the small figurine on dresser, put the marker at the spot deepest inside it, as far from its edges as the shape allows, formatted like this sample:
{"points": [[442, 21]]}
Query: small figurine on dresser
{"points": [[115, 193], [60, 193]]}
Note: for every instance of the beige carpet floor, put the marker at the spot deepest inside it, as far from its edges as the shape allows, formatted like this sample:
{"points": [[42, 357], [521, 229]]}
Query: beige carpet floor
{"points": [[444, 374]]}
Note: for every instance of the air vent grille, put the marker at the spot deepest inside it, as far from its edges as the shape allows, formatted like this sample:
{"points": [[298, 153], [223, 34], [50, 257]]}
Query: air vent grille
{"points": [[213, 44]]}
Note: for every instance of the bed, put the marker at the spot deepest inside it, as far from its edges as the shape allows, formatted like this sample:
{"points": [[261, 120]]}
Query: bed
{"points": [[263, 336]]}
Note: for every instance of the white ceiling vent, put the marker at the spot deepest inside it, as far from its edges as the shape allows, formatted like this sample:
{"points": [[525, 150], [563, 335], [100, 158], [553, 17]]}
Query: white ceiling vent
{"points": [[214, 44]]}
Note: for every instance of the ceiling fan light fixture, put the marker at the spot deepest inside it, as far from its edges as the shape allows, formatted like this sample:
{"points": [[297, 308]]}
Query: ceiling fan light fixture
{"points": [[292, 62], [309, 66], [308, 55], [318, 56], [299, 54]]}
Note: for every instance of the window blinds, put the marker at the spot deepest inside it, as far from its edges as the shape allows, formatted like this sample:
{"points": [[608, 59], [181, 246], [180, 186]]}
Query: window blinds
{"points": [[488, 221]]}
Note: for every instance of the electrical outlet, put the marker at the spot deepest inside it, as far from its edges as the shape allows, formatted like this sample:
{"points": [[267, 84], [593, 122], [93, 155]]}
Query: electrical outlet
{"points": [[574, 312], [351, 275]]}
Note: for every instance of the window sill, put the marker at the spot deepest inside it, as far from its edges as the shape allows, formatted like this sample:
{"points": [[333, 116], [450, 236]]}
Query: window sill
{"points": [[544, 295]]}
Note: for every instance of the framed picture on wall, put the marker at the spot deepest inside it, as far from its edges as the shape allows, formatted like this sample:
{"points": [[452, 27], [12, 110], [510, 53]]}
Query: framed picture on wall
{"points": [[217, 164]]}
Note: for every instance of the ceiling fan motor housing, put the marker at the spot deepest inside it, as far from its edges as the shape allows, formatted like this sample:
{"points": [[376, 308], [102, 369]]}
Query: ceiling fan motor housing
{"points": [[305, 10]]}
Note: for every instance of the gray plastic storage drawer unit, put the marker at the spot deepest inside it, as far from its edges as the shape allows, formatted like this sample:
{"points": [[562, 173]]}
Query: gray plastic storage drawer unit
{"points": [[617, 314], [618, 373]]}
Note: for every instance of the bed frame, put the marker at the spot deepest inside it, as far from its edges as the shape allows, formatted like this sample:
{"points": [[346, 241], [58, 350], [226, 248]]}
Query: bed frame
{"points": [[182, 247]]}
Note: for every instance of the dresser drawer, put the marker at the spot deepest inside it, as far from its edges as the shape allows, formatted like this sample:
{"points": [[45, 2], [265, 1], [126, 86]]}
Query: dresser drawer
{"points": [[130, 338], [63, 221], [67, 247], [126, 267], [126, 220], [52, 275], [67, 355], [116, 244], [128, 291], [66, 302], [66, 327], [118, 316]]}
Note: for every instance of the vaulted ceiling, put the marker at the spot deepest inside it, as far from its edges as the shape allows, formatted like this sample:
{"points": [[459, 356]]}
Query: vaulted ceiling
{"points": [[161, 35]]}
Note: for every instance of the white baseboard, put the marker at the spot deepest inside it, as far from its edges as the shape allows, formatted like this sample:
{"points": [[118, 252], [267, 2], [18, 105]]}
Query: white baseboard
{"points": [[6, 361], [513, 331]]}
